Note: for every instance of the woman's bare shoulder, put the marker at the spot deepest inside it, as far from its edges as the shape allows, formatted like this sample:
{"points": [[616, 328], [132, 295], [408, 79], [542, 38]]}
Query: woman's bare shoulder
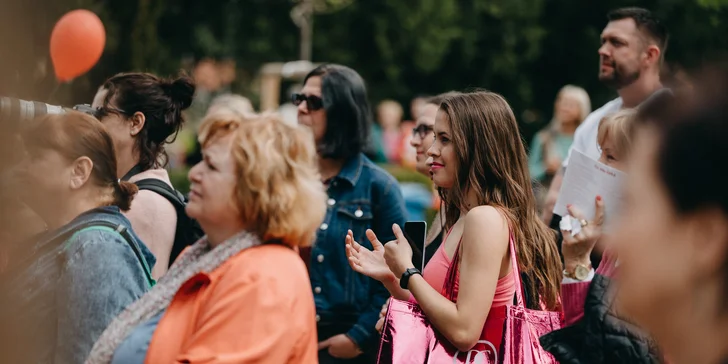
{"points": [[485, 222], [485, 215]]}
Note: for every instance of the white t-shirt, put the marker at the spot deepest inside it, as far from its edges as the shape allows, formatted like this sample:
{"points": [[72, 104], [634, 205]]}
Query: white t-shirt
{"points": [[585, 140], [585, 137]]}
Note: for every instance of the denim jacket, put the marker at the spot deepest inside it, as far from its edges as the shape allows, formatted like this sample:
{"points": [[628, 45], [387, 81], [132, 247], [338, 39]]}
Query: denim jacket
{"points": [[362, 196], [66, 293]]}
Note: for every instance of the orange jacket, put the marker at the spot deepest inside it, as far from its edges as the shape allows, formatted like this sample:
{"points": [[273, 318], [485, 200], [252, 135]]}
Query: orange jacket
{"points": [[255, 308]]}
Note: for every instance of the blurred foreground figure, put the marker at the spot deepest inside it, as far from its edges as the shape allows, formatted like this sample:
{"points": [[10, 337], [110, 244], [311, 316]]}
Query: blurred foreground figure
{"points": [[61, 289], [672, 239]]}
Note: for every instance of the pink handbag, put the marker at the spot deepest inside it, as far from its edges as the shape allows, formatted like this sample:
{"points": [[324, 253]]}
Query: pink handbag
{"points": [[409, 338]]}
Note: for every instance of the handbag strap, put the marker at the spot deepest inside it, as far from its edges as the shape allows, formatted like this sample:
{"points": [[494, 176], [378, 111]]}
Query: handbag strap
{"points": [[448, 287], [452, 272], [520, 301]]}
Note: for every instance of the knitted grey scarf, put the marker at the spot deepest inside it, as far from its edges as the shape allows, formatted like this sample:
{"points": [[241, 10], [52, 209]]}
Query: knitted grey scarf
{"points": [[196, 259]]}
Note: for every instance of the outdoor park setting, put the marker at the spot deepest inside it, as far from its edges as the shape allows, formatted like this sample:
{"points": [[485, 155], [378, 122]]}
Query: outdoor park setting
{"points": [[363, 181]]}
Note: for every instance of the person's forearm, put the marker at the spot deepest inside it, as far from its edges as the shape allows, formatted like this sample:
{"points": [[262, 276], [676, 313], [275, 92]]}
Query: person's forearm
{"points": [[556, 183], [443, 313], [364, 333], [552, 196], [392, 285], [573, 296]]}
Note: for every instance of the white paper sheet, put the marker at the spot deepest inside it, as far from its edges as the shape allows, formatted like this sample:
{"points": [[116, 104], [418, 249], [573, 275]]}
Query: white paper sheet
{"points": [[586, 178]]}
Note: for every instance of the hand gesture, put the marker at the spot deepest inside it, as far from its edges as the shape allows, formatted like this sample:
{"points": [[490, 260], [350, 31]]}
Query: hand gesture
{"points": [[398, 253], [382, 315], [370, 263], [340, 346], [577, 248]]}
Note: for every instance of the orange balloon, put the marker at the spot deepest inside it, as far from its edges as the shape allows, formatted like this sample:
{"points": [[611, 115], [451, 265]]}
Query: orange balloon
{"points": [[77, 42]]}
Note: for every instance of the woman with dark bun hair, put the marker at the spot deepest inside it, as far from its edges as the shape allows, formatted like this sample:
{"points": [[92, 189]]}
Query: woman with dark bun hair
{"points": [[143, 113], [65, 287]]}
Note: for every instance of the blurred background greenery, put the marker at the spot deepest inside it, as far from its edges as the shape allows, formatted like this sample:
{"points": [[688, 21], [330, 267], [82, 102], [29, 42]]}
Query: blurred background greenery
{"points": [[523, 49]]}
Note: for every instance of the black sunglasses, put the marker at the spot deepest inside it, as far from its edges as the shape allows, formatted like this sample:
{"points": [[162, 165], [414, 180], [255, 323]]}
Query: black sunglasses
{"points": [[313, 103], [422, 130]]}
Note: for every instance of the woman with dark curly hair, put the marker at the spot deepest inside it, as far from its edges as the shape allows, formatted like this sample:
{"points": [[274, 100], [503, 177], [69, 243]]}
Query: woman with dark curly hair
{"points": [[142, 111]]}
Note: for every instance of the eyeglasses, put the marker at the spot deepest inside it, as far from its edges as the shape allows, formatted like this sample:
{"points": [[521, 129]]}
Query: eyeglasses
{"points": [[422, 130], [104, 111], [313, 103], [98, 112]]}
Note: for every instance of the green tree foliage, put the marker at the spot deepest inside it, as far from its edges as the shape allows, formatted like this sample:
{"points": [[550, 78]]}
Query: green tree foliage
{"points": [[524, 49], [713, 4]]}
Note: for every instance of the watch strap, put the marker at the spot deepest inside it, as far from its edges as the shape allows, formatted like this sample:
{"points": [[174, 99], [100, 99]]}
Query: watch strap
{"points": [[575, 274], [404, 281]]}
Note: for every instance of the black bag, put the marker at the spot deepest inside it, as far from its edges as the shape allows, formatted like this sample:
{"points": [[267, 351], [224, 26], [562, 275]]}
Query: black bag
{"points": [[188, 230]]}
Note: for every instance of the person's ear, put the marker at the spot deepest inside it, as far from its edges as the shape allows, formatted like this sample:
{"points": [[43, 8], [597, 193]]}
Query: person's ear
{"points": [[653, 54], [709, 228], [137, 123], [81, 172]]}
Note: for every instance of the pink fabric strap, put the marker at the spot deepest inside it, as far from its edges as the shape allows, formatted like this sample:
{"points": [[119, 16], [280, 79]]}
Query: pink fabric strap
{"points": [[449, 284], [520, 301]]}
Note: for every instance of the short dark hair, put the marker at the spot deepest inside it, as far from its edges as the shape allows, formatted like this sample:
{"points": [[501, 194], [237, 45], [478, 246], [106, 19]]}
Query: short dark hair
{"points": [[646, 22], [160, 100], [692, 127], [348, 113]]}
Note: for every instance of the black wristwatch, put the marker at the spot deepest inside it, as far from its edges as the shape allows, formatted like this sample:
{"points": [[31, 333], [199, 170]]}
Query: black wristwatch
{"points": [[404, 281]]}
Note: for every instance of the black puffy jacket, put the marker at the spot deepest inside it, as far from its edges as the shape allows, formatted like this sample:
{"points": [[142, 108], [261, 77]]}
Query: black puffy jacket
{"points": [[600, 336]]}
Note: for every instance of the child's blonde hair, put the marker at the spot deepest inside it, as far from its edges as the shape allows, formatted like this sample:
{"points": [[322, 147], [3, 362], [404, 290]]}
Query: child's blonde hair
{"points": [[619, 128]]}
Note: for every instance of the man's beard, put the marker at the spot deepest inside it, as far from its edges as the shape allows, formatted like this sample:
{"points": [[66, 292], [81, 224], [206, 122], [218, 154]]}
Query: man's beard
{"points": [[620, 77]]}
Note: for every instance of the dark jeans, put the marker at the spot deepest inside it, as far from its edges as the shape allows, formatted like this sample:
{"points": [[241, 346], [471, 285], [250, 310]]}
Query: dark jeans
{"points": [[326, 331]]}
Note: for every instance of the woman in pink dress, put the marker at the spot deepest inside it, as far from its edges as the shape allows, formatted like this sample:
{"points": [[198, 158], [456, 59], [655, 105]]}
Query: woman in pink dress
{"points": [[479, 163]]}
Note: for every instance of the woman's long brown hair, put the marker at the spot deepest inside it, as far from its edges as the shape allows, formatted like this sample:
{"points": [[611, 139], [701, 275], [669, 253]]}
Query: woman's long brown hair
{"points": [[492, 161]]}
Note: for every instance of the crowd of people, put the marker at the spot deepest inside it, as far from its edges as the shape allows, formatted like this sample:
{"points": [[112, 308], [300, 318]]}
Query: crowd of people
{"points": [[290, 248]]}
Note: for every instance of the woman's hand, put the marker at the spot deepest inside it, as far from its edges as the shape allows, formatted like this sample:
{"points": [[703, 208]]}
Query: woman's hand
{"points": [[340, 346], [398, 253], [577, 248], [370, 263], [382, 315]]}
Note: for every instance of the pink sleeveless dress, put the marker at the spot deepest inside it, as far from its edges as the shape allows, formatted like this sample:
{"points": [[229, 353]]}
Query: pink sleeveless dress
{"points": [[436, 274]]}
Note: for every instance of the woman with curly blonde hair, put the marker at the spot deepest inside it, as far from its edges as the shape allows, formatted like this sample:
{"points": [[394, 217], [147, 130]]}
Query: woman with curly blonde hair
{"points": [[241, 294]]}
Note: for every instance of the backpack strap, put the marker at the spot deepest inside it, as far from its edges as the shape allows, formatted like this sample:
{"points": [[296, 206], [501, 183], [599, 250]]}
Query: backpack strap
{"points": [[132, 172], [161, 188], [187, 230], [124, 232]]}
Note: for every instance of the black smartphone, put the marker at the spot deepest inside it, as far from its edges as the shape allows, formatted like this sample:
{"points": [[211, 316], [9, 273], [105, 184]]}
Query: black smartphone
{"points": [[416, 233]]}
